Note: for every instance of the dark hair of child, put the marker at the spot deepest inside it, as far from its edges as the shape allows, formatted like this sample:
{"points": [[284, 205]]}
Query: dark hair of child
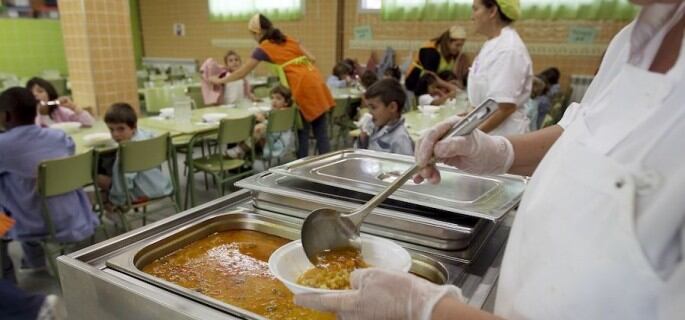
{"points": [[121, 112], [341, 69], [285, 93], [447, 75], [20, 103], [393, 72], [46, 85], [368, 78], [387, 90], [550, 75], [425, 81]]}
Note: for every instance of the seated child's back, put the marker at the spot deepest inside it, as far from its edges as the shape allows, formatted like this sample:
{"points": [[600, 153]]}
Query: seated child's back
{"points": [[24, 146], [153, 183]]}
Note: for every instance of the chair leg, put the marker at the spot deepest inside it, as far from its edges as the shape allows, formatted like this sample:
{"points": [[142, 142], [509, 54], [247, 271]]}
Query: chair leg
{"points": [[52, 260], [144, 215]]}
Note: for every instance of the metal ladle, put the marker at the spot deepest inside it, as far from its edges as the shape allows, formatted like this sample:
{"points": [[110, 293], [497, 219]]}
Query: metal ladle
{"points": [[325, 228]]}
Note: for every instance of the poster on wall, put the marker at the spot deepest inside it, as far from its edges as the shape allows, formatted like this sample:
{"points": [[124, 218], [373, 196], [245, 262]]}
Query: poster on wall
{"points": [[363, 33], [582, 35], [179, 29]]}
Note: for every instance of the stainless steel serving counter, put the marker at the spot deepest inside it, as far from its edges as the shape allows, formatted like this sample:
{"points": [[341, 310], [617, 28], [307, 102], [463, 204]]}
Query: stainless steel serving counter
{"points": [[93, 290]]}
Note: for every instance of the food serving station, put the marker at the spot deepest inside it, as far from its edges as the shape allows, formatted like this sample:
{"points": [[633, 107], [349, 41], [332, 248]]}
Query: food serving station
{"points": [[455, 232]]}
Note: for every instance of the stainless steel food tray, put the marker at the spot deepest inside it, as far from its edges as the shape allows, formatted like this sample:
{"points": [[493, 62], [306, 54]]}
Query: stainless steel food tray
{"points": [[400, 221], [370, 172], [132, 260]]}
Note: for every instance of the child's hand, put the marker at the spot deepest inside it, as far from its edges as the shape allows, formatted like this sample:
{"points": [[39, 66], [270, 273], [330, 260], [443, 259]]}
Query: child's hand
{"points": [[67, 103], [260, 117], [6, 223]]}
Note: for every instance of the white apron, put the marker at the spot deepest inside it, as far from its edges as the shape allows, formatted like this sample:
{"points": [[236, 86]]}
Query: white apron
{"points": [[573, 252], [477, 90]]}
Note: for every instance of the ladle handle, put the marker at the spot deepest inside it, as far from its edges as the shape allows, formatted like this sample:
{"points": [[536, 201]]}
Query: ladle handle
{"points": [[467, 124]]}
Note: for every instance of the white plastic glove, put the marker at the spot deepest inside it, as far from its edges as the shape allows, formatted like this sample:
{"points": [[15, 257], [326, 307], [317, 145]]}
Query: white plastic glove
{"points": [[381, 294], [477, 153]]}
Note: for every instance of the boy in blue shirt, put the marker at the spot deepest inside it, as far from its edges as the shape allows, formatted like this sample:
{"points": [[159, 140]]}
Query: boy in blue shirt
{"points": [[385, 130], [122, 122], [24, 146]]}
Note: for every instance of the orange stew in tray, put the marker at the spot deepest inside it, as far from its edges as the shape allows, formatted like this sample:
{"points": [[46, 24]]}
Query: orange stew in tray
{"points": [[232, 266]]}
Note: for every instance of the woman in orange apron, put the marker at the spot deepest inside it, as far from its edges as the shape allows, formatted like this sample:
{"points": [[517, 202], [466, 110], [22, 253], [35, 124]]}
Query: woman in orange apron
{"points": [[296, 70]]}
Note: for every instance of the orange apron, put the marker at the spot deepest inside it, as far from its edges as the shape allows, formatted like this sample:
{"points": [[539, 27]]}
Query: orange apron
{"points": [[309, 90]]}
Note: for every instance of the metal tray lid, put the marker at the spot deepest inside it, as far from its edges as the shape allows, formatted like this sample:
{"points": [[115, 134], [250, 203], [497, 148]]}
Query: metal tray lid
{"points": [[486, 197]]}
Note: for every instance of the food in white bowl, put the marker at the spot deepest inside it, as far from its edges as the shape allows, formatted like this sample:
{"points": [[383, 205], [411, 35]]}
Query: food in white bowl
{"points": [[67, 127], [213, 117], [98, 139], [289, 262], [428, 109]]}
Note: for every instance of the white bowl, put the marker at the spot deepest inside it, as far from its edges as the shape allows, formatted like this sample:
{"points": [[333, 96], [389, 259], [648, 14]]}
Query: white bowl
{"points": [[67, 127], [213, 117], [288, 262], [98, 138], [428, 109]]}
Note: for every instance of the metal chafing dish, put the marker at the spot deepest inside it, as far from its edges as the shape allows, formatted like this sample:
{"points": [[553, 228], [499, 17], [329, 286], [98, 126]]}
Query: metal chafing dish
{"points": [[104, 281]]}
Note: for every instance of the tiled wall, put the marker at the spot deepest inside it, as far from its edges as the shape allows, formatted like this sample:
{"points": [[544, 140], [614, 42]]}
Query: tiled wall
{"points": [[316, 31], [546, 40], [30, 46], [99, 48]]}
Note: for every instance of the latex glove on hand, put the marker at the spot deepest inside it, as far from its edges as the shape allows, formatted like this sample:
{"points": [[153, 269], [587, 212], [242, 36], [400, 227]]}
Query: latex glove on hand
{"points": [[476, 153], [381, 294]]}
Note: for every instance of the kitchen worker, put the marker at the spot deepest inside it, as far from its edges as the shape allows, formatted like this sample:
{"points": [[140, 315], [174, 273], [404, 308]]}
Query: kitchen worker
{"points": [[296, 70], [444, 53], [600, 231], [502, 69]]}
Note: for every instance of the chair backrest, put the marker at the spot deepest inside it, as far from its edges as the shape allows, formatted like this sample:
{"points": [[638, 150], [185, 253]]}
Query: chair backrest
{"points": [[235, 130], [261, 91], [195, 93], [64, 175], [136, 156], [156, 99], [340, 109], [281, 120]]}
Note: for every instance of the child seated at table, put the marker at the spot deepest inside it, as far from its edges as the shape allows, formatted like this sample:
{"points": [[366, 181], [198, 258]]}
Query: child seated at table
{"points": [[341, 77], [385, 130], [122, 121], [24, 146], [436, 93], [60, 109], [239, 89], [394, 72], [281, 98]]}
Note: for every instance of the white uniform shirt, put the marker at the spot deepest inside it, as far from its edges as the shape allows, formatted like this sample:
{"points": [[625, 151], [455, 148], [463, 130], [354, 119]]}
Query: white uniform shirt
{"points": [[652, 148], [503, 71], [660, 210]]}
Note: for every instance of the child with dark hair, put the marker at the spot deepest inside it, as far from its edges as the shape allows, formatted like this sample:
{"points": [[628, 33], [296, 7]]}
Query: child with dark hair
{"points": [[385, 132], [24, 146], [433, 92], [393, 72], [54, 109], [122, 121], [551, 77], [368, 78], [341, 76]]}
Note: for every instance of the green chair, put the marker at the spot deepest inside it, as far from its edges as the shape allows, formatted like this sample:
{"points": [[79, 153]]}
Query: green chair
{"points": [[195, 93], [56, 177], [340, 120], [280, 121], [216, 163], [156, 99], [143, 155], [261, 91]]}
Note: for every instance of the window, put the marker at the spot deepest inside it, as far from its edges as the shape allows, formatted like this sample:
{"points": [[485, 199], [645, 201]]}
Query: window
{"points": [[530, 9], [370, 5], [243, 10]]}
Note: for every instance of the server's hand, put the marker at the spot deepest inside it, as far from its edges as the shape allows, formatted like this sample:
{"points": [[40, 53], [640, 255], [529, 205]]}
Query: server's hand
{"points": [[381, 294], [477, 152]]}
